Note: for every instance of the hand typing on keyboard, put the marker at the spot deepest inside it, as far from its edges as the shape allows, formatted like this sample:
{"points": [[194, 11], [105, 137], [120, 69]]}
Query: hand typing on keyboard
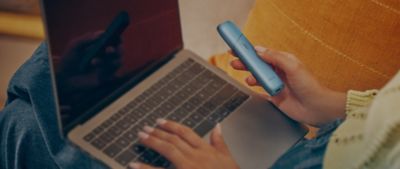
{"points": [[184, 148]]}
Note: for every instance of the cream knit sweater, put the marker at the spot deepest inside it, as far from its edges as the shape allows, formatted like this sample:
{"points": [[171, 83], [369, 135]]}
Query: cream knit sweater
{"points": [[370, 135]]}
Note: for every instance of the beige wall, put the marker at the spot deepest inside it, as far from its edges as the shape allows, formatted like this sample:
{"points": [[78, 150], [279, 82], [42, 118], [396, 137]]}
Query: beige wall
{"points": [[199, 19], [13, 52]]}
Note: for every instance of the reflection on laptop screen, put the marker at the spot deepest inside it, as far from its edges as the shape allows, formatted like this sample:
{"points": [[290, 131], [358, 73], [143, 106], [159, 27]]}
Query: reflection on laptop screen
{"points": [[98, 46]]}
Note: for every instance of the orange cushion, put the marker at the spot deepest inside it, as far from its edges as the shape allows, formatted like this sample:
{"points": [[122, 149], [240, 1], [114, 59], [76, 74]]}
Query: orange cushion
{"points": [[345, 44]]}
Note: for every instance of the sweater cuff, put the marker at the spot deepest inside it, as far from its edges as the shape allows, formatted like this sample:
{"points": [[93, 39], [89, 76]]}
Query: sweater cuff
{"points": [[357, 99]]}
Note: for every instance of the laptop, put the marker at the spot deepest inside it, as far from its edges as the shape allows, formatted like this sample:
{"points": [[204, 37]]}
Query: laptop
{"points": [[120, 65]]}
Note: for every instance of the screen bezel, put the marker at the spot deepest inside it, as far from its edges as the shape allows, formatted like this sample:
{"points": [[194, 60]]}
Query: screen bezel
{"points": [[65, 128]]}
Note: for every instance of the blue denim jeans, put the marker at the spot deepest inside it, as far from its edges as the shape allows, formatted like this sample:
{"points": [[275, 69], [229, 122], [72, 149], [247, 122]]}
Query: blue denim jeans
{"points": [[308, 153], [30, 136], [29, 132]]}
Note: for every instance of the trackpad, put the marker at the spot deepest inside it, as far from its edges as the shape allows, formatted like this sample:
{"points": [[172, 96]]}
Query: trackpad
{"points": [[257, 134]]}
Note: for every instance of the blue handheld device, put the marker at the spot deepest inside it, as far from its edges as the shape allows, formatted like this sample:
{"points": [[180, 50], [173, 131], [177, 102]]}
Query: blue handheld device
{"points": [[261, 70]]}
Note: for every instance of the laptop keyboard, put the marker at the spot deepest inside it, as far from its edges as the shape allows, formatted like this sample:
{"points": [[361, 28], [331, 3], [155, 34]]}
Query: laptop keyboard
{"points": [[190, 94]]}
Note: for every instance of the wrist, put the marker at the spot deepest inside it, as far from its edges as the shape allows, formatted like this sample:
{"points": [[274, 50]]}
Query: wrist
{"points": [[330, 105]]}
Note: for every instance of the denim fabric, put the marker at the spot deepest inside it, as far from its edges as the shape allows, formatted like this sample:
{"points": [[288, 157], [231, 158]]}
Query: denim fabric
{"points": [[29, 130], [308, 154]]}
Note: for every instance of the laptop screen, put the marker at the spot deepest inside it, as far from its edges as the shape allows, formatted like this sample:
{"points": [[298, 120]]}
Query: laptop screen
{"points": [[98, 47]]}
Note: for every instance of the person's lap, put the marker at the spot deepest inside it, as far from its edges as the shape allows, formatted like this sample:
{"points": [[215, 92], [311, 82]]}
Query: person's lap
{"points": [[29, 132], [30, 136], [308, 153]]}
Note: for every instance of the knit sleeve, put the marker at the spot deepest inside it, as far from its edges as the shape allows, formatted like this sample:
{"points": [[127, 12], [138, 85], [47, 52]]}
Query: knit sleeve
{"points": [[357, 99]]}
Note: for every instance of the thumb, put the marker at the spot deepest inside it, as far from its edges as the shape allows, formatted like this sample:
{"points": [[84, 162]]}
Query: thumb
{"points": [[217, 141], [282, 60]]}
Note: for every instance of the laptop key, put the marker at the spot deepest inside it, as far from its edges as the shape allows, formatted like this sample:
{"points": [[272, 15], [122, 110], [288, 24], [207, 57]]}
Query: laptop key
{"points": [[137, 148], [124, 110], [196, 68], [153, 117], [130, 136], [188, 107], [183, 94], [189, 89], [203, 78], [181, 80], [115, 130], [201, 96], [242, 96], [189, 122], [208, 91], [195, 101], [98, 143], [139, 112], [236, 101], [108, 123], [204, 127], [160, 111], [131, 119], [216, 84], [123, 142], [89, 137], [203, 111], [167, 107], [222, 111], [175, 100], [141, 97], [107, 137], [112, 150], [175, 117], [196, 117], [163, 94], [124, 124], [135, 130], [198, 83], [215, 118], [133, 103], [125, 157], [134, 114], [98, 130], [145, 122], [145, 107], [180, 112], [152, 102], [210, 105]]}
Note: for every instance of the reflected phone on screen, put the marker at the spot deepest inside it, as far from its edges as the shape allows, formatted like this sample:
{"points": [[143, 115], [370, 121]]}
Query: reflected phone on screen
{"points": [[242, 47], [111, 33]]}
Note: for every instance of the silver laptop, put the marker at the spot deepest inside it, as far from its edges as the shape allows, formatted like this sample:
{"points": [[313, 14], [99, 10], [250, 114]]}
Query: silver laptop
{"points": [[120, 65]]}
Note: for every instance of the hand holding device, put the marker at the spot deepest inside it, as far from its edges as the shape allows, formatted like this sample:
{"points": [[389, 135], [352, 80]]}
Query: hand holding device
{"points": [[304, 99], [261, 70]]}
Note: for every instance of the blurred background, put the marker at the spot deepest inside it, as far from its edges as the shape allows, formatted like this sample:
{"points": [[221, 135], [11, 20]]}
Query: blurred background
{"points": [[21, 30]]}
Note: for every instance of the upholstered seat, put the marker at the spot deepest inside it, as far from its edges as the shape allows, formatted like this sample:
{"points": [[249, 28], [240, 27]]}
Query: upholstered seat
{"points": [[346, 44]]}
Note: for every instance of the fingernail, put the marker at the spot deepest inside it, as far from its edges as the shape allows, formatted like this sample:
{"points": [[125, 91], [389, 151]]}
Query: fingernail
{"points": [[218, 129], [260, 49], [134, 165], [143, 135], [161, 121], [247, 79], [148, 129]]}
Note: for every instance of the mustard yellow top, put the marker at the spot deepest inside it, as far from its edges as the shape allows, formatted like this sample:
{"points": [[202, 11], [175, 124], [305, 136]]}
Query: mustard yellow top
{"points": [[370, 135]]}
